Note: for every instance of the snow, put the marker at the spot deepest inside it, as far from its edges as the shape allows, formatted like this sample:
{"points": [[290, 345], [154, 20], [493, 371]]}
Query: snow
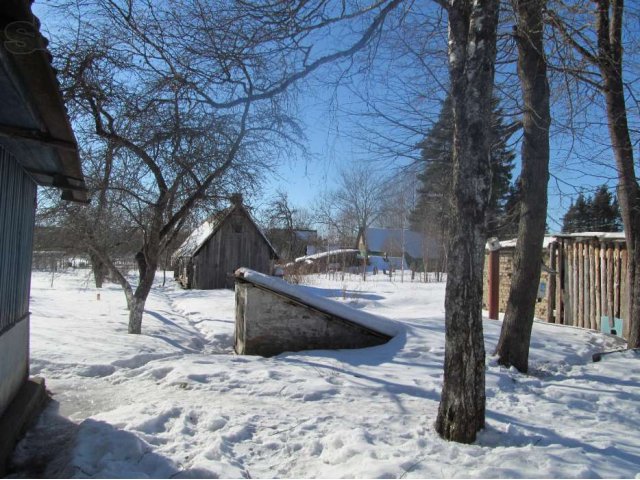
{"points": [[175, 402], [599, 235], [549, 239], [196, 238], [373, 322], [330, 253]]}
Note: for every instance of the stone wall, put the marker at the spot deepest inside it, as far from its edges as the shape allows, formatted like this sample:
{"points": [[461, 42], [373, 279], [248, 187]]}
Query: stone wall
{"points": [[506, 272], [268, 323]]}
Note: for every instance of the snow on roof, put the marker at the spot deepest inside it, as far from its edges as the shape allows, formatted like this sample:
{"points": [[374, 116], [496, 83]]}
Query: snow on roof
{"points": [[512, 243], [202, 233], [598, 235], [316, 256], [386, 239], [373, 322], [549, 239]]}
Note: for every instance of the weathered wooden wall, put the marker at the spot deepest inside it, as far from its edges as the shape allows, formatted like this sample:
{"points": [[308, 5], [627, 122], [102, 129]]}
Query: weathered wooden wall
{"points": [[237, 243], [17, 212]]}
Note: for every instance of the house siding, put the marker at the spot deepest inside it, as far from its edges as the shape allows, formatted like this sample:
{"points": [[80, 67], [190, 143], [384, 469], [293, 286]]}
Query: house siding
{"points": [[17, 215]]}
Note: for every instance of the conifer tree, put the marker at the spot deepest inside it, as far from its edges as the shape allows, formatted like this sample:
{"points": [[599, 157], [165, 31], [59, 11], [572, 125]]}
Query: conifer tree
{"points": [[599, 213], [432, 208]]}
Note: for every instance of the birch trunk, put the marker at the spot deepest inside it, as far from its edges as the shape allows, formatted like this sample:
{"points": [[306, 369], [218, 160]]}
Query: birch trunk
{"points": [[472, 52], [513, 345]]}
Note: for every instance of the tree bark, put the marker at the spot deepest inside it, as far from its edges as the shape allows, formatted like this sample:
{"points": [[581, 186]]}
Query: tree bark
{"points": [[147, 260], [147, 271], [472, 53], [99, 270], [609, 29], [513, 345]]}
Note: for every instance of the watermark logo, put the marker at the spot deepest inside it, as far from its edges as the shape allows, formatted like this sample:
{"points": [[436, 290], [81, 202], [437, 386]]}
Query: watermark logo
{"points": [[22, 38]]}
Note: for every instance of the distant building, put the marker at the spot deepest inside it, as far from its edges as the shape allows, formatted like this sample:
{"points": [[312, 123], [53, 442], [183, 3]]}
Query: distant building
{"points": [[392, 243], [228, 240], [37, 147], [295, 243]]}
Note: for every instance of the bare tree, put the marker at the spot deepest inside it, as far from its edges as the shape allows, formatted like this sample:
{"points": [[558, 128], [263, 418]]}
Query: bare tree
{"points": [[354, 205], [186, 90], [513, 345], [472, 54], [605, 55], [285, 224]]}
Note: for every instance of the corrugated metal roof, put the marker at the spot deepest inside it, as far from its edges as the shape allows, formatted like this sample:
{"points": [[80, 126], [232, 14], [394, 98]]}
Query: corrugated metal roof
{"points": [[34, 125]]}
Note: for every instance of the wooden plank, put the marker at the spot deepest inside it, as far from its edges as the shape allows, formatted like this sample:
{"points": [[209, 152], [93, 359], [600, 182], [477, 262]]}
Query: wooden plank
{"points": [[593, 292], [603, 280], [551, 287], [586, 286], [580, 285], [616, 281], [571, 303], [610, 282], [598, 292], [560, 283], [574, 284], [624, 292]]}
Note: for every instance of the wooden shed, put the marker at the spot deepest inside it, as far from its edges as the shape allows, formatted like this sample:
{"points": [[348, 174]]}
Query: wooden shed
{"points": [[228, 240], [37, 147]]}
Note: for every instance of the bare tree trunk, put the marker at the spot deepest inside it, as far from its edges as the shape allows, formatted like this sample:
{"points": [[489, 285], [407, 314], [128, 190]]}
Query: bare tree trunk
{"points": [[472, 53], [147, 260], [513, 345], [147, 270], [610, 64], [115, 274], [99, 270]]}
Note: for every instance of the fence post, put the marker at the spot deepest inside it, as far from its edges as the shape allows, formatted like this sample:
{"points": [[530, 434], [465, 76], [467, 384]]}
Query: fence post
{"points": [[494, 278]]}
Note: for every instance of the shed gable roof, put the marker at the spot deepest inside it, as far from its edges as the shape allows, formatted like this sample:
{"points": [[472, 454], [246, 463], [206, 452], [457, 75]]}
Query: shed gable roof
{"points": [[201, 235]]}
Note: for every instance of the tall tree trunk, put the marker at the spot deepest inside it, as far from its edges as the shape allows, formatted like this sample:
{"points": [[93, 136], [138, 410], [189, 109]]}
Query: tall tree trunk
{"points": [[115, 274], [99, 270], [147, 259], [513, 345], [610, 64], [472, 53], [147, 267]]}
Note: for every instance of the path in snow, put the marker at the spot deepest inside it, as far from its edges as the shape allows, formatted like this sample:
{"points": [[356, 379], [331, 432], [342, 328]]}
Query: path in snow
{"points": [[162, 405]]}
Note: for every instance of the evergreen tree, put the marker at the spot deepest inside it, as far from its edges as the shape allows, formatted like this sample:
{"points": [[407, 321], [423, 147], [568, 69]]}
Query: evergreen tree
{"points": [[605, 211], [599, 213], [511, 212], [434, 196]]}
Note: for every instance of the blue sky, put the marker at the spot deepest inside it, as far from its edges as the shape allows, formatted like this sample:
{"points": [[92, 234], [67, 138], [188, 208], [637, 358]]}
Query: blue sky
{"points": [[577, 163], [574, 161]]}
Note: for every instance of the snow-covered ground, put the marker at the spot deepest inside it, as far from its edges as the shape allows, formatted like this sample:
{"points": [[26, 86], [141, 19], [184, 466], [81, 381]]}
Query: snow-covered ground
{"points": [[176, 402]]}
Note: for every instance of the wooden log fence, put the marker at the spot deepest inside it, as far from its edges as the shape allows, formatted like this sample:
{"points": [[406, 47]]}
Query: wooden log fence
{"points": [[588, 282]]}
